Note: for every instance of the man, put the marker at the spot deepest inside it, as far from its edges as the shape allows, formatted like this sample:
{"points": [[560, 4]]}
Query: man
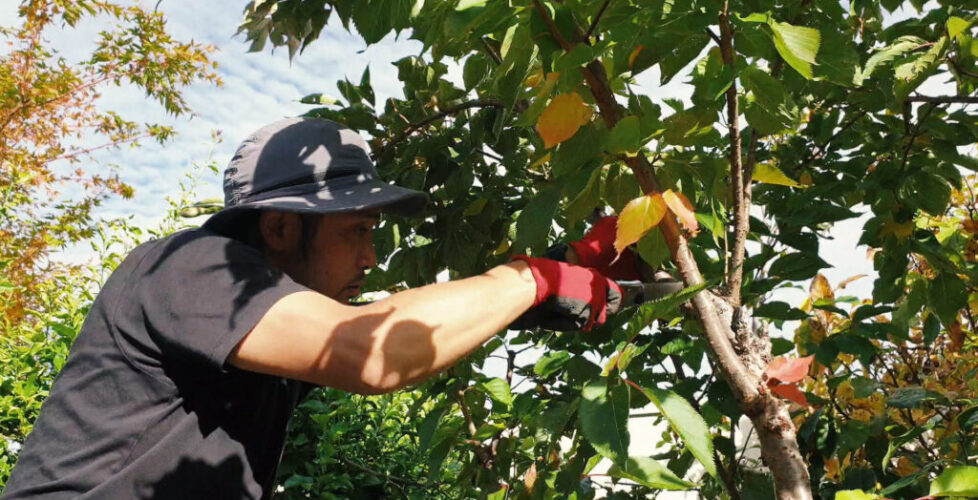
{"points": [[184, 376]]}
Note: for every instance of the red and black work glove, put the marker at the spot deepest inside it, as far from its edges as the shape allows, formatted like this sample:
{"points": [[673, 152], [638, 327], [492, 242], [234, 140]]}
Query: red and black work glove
{"points": [[568, 297], [597, 250]]}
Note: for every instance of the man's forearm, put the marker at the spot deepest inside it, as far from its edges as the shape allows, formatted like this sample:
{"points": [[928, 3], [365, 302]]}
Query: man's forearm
{"points": [[422, 331]]}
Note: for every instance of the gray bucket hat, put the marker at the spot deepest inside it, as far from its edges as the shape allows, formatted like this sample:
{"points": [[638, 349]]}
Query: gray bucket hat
{"points": [[307, 165]]}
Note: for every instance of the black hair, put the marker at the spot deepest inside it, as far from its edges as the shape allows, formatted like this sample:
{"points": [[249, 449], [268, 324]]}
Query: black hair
{"points": [[246, 228]]}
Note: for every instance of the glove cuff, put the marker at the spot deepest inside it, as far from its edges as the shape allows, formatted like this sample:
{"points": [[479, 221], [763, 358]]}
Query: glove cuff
{"points": [[543, 286]]}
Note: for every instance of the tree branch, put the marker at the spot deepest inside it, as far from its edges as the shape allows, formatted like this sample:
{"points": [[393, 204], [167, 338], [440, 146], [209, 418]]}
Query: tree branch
{"points": [[946, 99], [554, 32], [597, 17], [738, 183], [477, 103]]}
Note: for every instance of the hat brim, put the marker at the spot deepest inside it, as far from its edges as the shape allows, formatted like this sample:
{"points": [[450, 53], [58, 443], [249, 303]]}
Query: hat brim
{"points": [[366, 195]]}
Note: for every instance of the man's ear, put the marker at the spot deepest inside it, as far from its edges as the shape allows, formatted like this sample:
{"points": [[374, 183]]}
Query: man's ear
{"points": [[281, 231]]}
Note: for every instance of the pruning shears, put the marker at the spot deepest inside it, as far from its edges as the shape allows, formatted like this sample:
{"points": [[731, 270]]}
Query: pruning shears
{"points": [[639, 292]]}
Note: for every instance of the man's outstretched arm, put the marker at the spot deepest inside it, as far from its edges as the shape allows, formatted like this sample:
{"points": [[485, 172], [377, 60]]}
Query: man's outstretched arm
{"points": [[388, 344]]}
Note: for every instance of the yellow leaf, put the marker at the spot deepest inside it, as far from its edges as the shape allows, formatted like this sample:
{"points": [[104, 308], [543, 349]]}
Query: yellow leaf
{"points": [[563, 116], [765, 172], [680, 205], [820, 288], [900, 230], [637, 218]]}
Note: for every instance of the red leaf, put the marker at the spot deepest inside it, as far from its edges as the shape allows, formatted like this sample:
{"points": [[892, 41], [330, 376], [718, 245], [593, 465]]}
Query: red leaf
{"points": [[790, 392], [788, 370]]}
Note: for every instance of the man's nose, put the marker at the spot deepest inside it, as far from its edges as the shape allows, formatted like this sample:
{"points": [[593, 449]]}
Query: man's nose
{"points": [[368, 257]]}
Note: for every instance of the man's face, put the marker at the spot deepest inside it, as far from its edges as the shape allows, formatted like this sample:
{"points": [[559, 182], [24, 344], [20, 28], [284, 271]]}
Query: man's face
{"points": [[341, 251]]}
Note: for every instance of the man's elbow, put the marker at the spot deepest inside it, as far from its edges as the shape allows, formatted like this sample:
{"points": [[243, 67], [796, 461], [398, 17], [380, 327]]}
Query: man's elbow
{"points": [[365, 385]]}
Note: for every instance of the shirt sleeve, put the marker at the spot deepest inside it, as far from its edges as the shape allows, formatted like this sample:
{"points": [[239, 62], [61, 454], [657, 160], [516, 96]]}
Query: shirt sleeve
{"points": [[205, 293]]}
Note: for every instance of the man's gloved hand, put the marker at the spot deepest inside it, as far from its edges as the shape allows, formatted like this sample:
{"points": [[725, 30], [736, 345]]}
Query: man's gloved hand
{"points": [[597, 250], [568, 297]]}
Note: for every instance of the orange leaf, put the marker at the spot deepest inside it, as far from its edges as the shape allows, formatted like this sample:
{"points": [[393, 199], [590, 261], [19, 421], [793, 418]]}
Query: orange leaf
{"points": [[633, 55], [791, 393], [788, 370], [637, 218], [680, 205], [563, 116]]}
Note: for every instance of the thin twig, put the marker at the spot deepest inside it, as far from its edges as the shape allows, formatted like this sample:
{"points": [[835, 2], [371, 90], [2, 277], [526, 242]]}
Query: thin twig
{"points": [[476, 103], [597, 17], [491, 50], [915, 134], [820, 150]]}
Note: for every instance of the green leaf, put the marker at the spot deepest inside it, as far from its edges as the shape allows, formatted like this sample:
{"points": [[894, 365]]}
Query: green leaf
{"points": [[797, 266], [780, 347], [586, 200], [475, 70], [780, 311], [957, 26], [649, 472], [770, 110], [498, 389], [657, 309], [911, 397], [534, 222], [318, 98], [931, 329], [887, 54], [604, 418], [956, 481], [863, 387], [625, 137], [898, 441], [550, 363], [911, 74], [946, 295], [687, 422], [652, 248], [798, 45]]}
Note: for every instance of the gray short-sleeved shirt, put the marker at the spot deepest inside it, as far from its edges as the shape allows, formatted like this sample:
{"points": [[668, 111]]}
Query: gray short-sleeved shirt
{"points": [[145, 406]]}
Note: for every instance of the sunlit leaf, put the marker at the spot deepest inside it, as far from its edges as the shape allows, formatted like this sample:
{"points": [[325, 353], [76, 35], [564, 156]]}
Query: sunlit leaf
{"points": [[649, 472], [956, 481], [637, 218], [680, 205], [687, 422], [767, 173], [604, 416], [788, 370], [798, 45], [562, 118]]}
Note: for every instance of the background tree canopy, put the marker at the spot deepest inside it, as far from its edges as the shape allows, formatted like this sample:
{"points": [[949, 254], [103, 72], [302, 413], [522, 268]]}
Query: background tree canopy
{"points": [[803, 114]]}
